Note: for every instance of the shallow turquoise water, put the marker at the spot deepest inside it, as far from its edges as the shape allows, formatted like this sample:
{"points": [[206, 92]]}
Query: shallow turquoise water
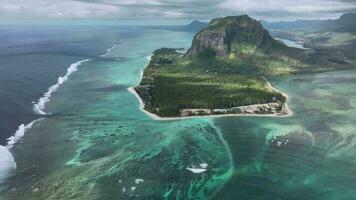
{"points": [[308, 156], [97, 144]]}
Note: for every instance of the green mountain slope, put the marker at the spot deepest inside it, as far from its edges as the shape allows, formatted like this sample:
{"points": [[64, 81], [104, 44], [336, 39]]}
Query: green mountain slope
{"points": [[241, 41], [233, 35]]}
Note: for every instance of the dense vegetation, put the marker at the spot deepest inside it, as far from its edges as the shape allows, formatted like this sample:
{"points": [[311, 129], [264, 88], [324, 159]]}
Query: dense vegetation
{"points": [[172, 82]]}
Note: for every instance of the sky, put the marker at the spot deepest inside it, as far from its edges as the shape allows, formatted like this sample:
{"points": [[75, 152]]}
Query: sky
{"points": [[271, 10]]}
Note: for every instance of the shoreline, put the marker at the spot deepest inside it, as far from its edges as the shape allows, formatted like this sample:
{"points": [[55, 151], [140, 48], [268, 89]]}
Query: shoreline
{"points": [[153, 116]]}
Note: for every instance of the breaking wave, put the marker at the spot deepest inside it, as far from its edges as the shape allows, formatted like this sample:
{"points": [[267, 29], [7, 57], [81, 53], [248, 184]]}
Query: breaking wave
{"points": [[39, 107], [7, 161], [108, 51]]}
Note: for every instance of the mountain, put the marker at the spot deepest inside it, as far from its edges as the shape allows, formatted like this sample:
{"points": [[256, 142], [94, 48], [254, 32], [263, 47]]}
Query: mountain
{"points": [[233, 36], [299, 24], [346, 23], [195, 26]]}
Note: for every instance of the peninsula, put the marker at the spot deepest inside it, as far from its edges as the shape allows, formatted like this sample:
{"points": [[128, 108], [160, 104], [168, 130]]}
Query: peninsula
{"points": [[223, 73]]}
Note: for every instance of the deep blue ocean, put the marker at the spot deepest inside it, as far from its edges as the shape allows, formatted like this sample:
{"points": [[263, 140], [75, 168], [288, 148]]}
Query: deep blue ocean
{"points": [[34, 56]]}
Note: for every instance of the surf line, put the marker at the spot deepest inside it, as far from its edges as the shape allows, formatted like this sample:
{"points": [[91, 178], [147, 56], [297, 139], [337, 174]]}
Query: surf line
{"points": [[108, 51], [39, 107], [7, 162]]}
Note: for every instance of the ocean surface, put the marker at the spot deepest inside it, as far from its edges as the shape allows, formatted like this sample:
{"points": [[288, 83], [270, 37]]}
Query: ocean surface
{"points": [[69, 129]]}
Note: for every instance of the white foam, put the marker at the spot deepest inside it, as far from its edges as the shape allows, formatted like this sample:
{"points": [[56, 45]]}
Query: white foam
{"points": [[203, 165], [108, 51], [39, 107], [196, 170], [279, 143], [11, 141], [139, 180], [7, 164]]}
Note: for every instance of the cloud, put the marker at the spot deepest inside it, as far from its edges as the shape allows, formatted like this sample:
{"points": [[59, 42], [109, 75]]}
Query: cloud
{"points": [[174, 9], [295, 6], [55, 9], [291, 9]]}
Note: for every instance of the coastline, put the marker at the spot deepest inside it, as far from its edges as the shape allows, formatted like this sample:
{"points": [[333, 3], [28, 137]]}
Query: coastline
{"points": [[153, 116]]}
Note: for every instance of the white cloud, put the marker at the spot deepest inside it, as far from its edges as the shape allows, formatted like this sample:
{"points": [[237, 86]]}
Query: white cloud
{"points": [[168, 9], [295, 6], [173, 14], [55, 9]]}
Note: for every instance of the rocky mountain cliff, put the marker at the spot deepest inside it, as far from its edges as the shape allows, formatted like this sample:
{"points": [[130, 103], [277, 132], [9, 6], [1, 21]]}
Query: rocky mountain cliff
{"points": [[232, 35]]}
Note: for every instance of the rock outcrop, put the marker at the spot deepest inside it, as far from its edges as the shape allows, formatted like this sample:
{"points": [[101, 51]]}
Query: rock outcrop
{"points": [[229, 35]]}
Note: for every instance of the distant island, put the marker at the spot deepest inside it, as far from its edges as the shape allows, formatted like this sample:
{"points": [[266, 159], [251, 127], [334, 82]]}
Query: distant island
{"points": [[195, 26], [224, 72], [333, 39], [345, 23]]}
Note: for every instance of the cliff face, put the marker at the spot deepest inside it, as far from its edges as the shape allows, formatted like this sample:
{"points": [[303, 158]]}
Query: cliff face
{"points": [[231, 35]]}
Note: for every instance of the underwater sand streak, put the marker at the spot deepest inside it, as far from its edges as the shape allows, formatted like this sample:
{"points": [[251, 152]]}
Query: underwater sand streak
{"points": [[203, 167]]}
